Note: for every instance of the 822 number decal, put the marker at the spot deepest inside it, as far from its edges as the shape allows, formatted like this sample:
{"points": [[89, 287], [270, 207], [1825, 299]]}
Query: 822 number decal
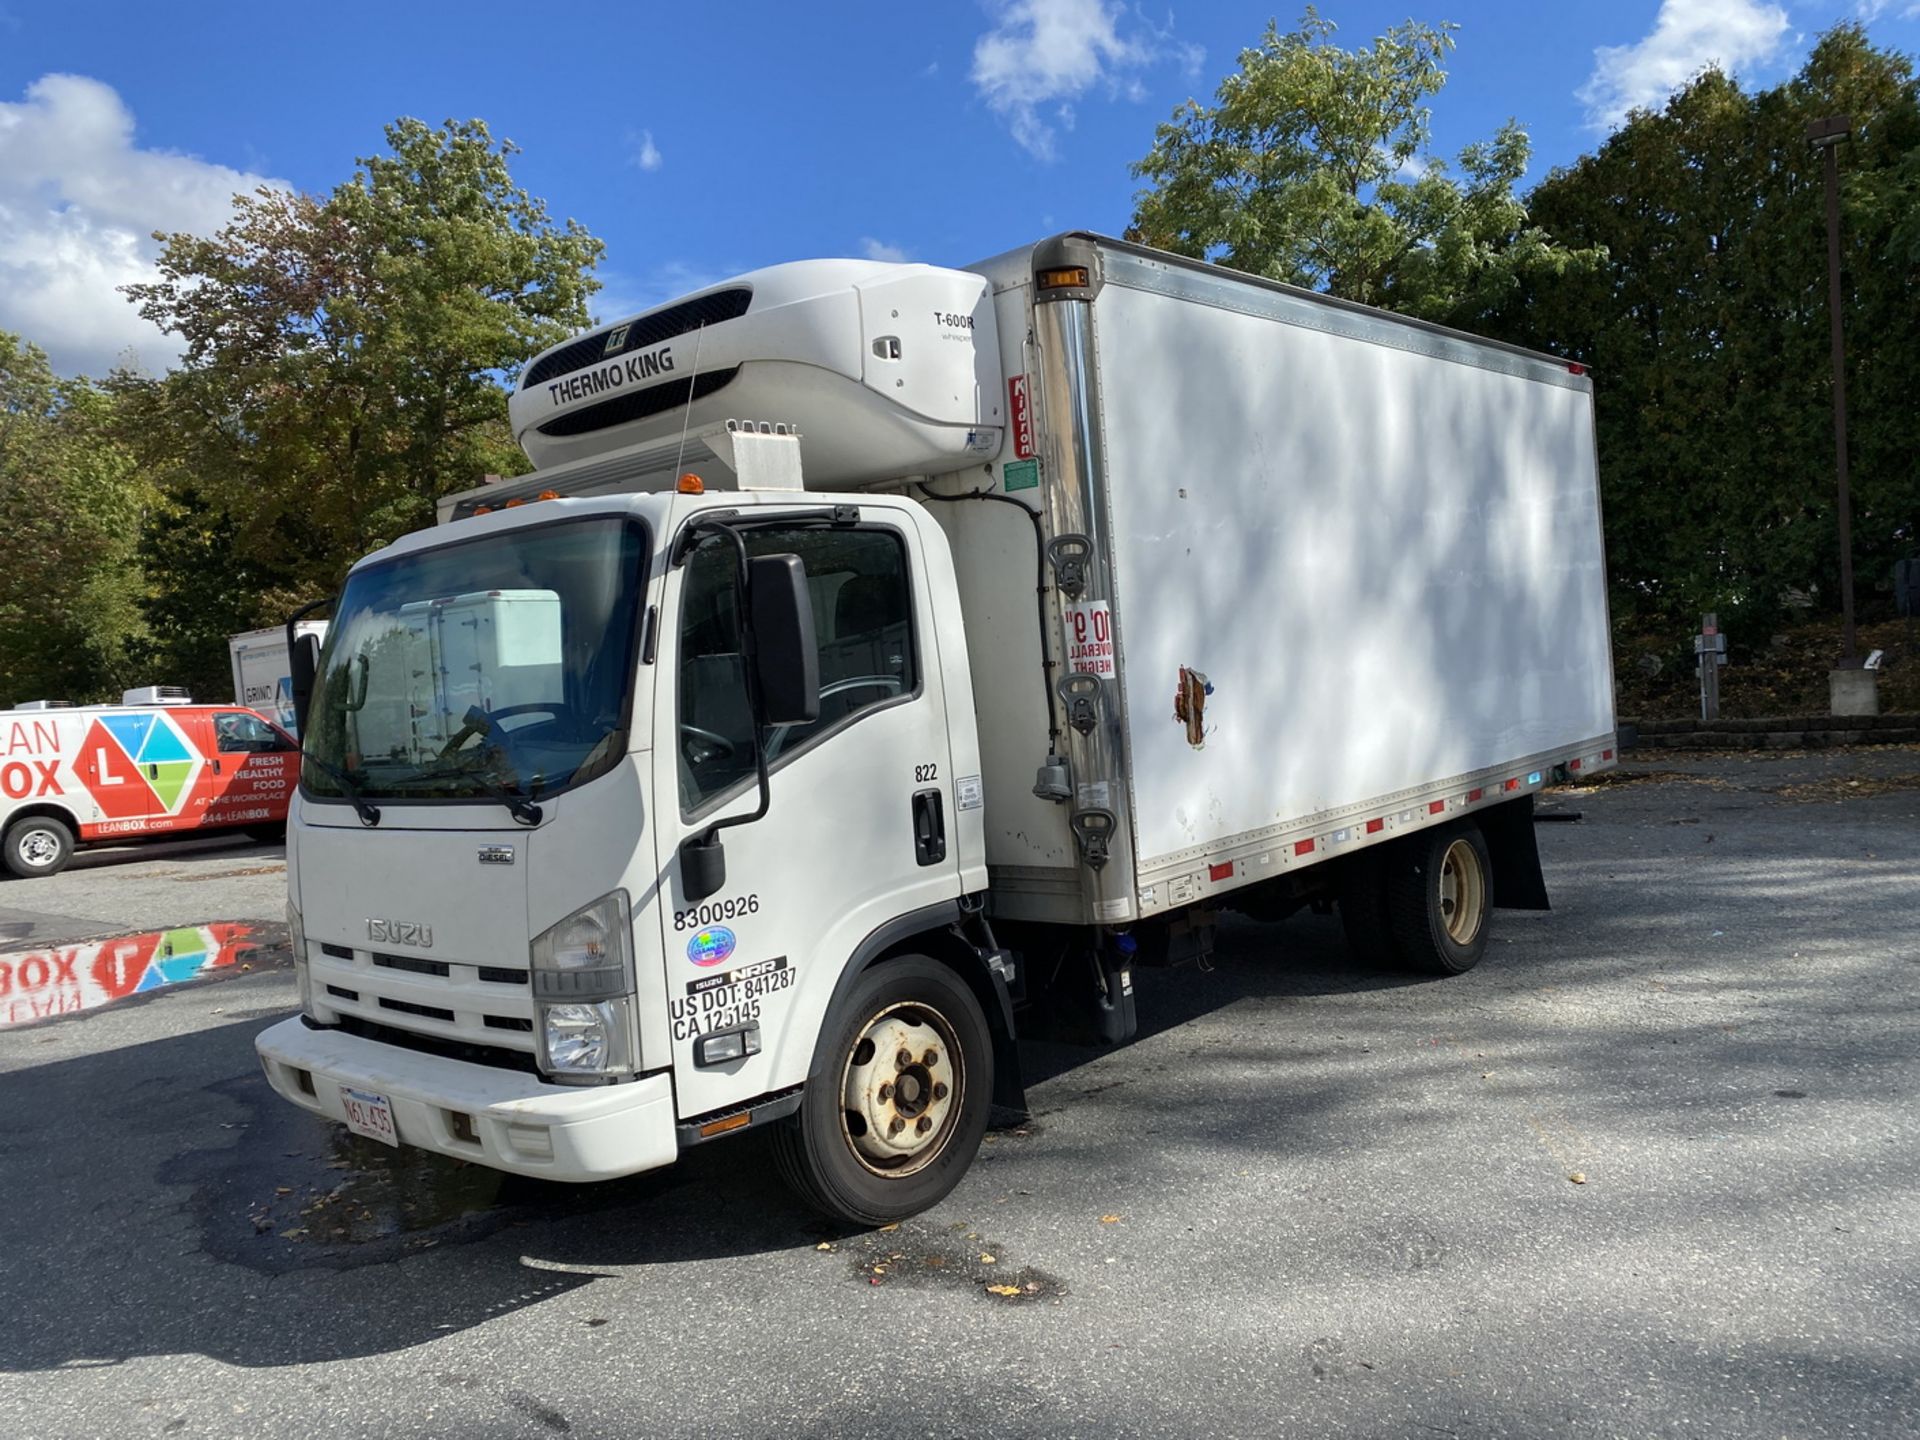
{"points": [[923, 773]]}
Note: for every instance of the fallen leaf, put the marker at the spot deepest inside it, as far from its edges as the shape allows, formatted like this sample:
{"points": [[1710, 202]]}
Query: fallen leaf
{"points": [[597, 1320], [1109, 1219], [885, 1228], [1003, 1290], [824, 1245], [987, 1260], [1578, 1177], [283, 1189]]}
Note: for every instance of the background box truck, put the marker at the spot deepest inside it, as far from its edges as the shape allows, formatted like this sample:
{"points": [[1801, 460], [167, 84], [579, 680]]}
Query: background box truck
{"points": [[262, 677], [1041, 610]]}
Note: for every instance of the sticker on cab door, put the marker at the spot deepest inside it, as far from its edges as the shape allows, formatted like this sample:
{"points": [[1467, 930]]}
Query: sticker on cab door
{"points": [[711, 945]]}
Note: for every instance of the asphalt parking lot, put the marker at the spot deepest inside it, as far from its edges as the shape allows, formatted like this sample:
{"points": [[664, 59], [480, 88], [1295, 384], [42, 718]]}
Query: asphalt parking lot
{"points": [[1650, 1170]]}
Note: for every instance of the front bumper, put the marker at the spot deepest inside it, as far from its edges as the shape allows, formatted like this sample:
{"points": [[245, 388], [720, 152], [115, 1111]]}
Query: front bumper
{"points": [[518, 1123]]}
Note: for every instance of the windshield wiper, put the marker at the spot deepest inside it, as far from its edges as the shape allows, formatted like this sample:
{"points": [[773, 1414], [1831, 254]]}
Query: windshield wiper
{"points": [[519, 802], [368, 812]]}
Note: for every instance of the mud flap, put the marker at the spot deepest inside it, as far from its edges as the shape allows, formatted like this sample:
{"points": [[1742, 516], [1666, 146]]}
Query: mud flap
{"points": [[1518, 882]]}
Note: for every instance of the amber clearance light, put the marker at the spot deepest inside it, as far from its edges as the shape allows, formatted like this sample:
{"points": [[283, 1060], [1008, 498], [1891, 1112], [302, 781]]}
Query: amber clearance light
{"points": [[1071, 277]]}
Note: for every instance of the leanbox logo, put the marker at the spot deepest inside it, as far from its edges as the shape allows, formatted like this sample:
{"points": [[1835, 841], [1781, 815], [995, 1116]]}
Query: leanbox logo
{"points": [[137, 764]]}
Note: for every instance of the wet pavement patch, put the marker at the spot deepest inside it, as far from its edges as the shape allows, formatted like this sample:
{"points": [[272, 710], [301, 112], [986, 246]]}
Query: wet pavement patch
{"points": [[53, 982], [292, 1192], [924, 1256]]}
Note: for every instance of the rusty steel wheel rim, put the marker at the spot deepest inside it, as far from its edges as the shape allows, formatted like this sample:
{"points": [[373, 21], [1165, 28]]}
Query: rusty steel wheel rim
{"points": [[901, 1088], [1463, 892]]}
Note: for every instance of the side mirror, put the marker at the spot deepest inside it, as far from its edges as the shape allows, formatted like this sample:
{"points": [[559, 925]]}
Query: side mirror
{"points": [[703, 865], [303, 660], [786, 650]]}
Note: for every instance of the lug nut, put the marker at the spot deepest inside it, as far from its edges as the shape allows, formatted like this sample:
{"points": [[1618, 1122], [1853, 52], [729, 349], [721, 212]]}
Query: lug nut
{"points": [[903, 1059], [939, 1091], [923, 1124], [932, 1057], [886, 1092], [896, 1125]]}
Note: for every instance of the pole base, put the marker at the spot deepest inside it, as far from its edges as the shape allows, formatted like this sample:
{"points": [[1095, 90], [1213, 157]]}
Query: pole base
{"points": [[1853, 692]]}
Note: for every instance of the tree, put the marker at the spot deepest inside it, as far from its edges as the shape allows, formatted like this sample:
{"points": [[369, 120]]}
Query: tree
{"points": [[346, 358], [71, 507], [1707, 334], [1314, 167]]}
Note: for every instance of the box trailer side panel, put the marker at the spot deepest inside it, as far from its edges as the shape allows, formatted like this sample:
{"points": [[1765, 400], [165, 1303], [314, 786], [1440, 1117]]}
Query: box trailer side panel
{"points": [[1373, 551]]}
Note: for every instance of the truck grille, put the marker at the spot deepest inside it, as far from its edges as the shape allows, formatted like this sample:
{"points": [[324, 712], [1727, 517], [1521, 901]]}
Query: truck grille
{"points": [[480, 1007], [642, 334]]}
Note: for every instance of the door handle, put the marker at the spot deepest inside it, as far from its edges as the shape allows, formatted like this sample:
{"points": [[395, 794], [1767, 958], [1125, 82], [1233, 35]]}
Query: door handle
{"points": [[929, 828], [216, 767]]}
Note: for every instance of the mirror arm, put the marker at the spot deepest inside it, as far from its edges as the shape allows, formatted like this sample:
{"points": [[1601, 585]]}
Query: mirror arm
{"points": [[750, 663]]}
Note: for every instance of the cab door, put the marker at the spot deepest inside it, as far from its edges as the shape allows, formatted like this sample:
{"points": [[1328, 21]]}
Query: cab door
{"points": [[859, 829], [251, 765]]}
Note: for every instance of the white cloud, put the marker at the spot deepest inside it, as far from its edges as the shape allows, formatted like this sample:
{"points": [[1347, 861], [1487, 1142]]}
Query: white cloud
{"points": [[1044, 54], [79, 200], [879, 250], [646, 154], [1687, 36]]}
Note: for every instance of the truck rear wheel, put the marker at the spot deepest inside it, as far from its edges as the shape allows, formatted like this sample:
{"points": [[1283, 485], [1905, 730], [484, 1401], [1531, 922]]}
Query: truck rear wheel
{"points": [[899, 1099], [1364, 913], [38, 845], [1439, 898]]}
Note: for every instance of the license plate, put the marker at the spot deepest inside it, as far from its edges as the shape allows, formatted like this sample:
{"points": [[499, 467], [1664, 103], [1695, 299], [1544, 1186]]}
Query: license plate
{"points": [[370, 1115]]}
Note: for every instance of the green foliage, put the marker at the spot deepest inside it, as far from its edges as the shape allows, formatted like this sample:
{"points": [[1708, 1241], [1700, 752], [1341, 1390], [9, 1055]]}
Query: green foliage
{"points": [[346, 363], [71, 507], [1707, 331], [1314, 167]]}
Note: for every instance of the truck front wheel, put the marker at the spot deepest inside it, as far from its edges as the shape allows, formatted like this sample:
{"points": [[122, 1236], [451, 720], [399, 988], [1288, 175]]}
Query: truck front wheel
{"points": [[37, 845], [897, 1106], [1439, 898]]}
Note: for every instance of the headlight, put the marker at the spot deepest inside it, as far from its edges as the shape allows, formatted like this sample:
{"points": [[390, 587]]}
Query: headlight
{"points": [[583, 988], [579, 1038], [297, 937]]}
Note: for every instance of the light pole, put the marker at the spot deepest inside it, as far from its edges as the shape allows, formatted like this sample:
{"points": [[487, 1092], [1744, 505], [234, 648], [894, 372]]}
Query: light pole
{"points": [[1826, 136]]}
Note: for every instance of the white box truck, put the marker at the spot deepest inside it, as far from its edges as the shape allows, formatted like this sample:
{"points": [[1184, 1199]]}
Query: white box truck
{"points": [[1043, 609], [262, 678]]}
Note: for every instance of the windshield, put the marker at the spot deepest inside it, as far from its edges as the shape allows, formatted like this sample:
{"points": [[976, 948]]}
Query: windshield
{"points": [[503, 664]]}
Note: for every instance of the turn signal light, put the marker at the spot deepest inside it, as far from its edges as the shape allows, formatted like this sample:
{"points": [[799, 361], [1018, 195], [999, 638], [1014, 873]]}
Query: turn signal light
{"points": [[691, 484]]}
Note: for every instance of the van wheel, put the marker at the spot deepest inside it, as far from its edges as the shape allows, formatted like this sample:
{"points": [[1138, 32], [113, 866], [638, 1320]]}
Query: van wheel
{"points": [[38, 845], [1439, 897], [894, 1113]]}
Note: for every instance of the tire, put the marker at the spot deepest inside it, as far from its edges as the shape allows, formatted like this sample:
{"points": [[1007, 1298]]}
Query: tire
{"points": [[1364, 914], [841, 1152], [38, 845], [1439, 899]]}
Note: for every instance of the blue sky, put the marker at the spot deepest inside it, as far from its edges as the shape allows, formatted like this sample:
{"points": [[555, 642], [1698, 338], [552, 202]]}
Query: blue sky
{"points": [[701, 140]]}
